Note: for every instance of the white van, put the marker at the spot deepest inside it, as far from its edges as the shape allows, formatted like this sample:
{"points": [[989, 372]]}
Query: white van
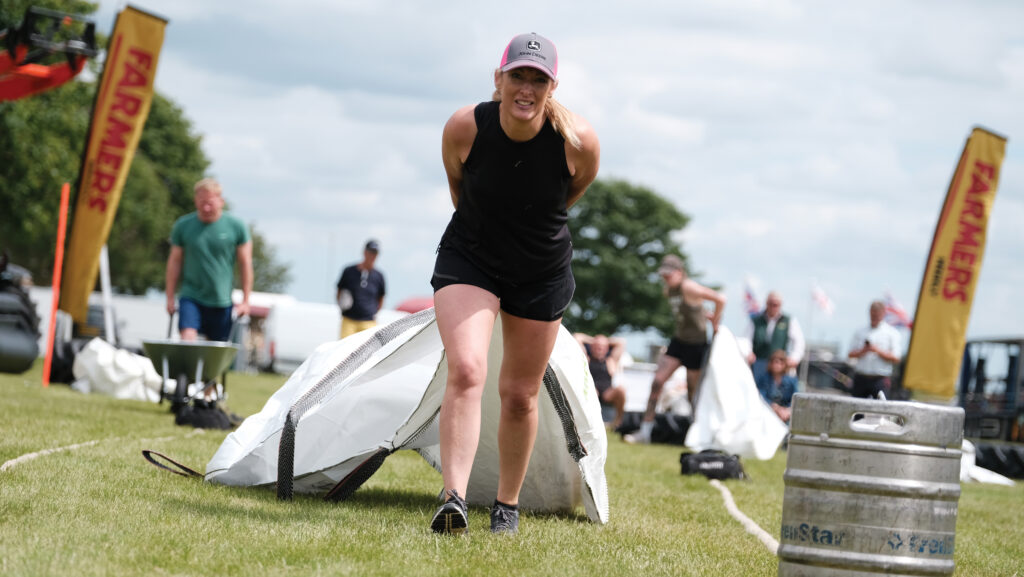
{"points": [[294, 329], [136, 318]]}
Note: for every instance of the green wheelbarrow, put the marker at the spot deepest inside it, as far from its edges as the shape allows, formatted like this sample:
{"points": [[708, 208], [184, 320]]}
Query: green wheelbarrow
{"points": [[190, 362]]}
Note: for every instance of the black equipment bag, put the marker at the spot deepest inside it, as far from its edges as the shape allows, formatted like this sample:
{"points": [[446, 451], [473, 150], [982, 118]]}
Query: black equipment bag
{"points": [[712, 464]]}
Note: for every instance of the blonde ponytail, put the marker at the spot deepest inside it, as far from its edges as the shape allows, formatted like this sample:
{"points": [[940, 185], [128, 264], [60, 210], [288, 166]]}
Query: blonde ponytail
{"points": [[563, 121]]}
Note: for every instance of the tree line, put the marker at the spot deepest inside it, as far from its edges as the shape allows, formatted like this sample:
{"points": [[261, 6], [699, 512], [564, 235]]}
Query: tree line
{"points": [[620, 230], [42, 141]]}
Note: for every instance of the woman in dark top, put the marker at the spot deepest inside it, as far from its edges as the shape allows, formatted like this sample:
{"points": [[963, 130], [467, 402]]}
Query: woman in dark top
{"points": [[604, 355], [514, 166]]}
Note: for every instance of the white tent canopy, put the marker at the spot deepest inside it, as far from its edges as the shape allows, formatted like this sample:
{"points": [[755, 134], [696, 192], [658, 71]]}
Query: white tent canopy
{"points": [[354, 401]]}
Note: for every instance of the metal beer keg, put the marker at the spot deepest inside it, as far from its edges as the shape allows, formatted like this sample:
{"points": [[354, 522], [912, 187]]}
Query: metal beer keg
{"points": [[871, 488]]}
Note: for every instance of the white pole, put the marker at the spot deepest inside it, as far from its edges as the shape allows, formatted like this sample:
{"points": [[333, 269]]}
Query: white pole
{"points": [[329, 269], [108, 308], [805, 362]]}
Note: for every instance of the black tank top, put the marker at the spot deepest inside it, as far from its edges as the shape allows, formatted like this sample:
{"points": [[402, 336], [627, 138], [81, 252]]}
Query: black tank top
{"points": [[602, 378], [511, 218]]}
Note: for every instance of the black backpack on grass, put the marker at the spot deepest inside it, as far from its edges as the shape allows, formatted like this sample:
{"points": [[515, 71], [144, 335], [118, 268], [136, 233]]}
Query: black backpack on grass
{"points": [[205, 415], [712, 464]]}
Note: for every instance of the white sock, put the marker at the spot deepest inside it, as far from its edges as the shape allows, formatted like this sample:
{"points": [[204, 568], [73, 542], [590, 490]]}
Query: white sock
{"points": [[646, 427]]}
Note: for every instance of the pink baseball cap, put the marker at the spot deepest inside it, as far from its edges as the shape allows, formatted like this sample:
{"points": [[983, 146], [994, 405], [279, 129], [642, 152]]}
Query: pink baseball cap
{"points": [[531, 50]]}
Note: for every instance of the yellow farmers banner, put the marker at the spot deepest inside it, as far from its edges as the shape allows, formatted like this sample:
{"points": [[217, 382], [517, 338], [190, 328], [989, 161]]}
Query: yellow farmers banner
{"points": [[947, 291], [122, 104]]}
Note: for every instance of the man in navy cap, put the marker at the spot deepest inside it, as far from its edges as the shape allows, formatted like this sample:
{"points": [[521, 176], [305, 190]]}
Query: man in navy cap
{"points": [[361, 292]]}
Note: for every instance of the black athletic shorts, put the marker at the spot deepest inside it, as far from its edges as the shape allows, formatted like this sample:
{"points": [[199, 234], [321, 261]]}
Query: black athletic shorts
{"points": [[691, 355], [544, 299], [868, 386]]}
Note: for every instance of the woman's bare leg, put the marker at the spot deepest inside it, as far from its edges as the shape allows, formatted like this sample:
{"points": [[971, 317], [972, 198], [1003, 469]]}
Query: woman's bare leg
{"points": [[527, 349], [465, 319]]}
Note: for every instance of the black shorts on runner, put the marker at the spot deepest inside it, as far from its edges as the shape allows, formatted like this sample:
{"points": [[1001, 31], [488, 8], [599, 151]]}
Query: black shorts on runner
{"points": [[544, 299], [691, 355]]}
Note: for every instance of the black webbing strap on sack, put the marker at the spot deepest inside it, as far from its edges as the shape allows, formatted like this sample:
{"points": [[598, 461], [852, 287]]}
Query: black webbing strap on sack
{"points": [[181, 469], [572, 437], [319, 391], [344, 489]]}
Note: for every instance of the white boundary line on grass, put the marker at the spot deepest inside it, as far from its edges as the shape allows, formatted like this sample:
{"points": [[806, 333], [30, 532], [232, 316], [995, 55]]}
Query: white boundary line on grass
{"points": [[30, 456], [751, 527]]}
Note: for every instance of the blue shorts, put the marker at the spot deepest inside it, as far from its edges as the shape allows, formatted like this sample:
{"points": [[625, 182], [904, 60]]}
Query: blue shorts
{"points": [[212, 322]]}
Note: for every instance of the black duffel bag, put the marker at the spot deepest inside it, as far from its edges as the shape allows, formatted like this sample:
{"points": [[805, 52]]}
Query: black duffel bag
{"points": [[712, 464]]}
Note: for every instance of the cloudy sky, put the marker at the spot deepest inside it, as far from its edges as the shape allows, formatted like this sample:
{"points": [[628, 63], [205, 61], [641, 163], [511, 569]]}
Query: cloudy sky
{"points": [[810, 141]]}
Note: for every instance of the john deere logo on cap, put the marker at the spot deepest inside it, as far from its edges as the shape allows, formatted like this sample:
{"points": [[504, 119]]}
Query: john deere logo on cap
{"points": [[533, 45]]}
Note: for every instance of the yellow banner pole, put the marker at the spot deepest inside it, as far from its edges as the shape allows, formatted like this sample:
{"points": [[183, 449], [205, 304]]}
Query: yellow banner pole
{"points": [[122, 104], [951, 272]]}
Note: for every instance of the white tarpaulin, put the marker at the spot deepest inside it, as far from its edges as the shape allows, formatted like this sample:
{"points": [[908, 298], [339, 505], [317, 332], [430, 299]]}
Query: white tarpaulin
{"points": [[379, 391], [731, 416], [970, 471], [105, 369]]}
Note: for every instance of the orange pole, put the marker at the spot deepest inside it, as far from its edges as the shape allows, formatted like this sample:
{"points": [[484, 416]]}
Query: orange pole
{"points": [[58, 264]]}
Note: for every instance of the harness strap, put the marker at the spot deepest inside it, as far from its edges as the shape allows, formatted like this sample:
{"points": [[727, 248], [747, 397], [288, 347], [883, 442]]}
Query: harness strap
{"points": [[182, 469]]}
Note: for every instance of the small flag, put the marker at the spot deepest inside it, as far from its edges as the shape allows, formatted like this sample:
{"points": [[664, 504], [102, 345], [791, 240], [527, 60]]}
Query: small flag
{"points": [[895, 314], [821, 299], [750, 301]]}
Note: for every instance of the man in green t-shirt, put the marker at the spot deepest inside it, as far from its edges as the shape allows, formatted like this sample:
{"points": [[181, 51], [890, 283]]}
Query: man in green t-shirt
{"points": [[205, 245]]}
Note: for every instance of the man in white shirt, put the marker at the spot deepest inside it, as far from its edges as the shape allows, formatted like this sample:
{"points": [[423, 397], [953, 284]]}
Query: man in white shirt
{"points": [[875, 350]]}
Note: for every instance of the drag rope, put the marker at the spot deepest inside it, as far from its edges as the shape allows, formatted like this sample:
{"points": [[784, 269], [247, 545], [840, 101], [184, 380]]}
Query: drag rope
{"points": [[30, 456], [747, 523]]}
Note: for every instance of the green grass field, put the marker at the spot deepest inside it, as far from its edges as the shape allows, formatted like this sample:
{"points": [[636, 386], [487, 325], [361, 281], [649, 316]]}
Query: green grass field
{"points": [[101, 509]]}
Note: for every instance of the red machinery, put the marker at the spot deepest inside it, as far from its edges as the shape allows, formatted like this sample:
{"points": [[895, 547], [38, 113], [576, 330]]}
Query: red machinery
{"points": [[30, 55]]}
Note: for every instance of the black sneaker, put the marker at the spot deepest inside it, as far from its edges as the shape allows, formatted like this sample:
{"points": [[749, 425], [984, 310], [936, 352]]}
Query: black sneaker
{"points": [[451, 518], [504, 520]]}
